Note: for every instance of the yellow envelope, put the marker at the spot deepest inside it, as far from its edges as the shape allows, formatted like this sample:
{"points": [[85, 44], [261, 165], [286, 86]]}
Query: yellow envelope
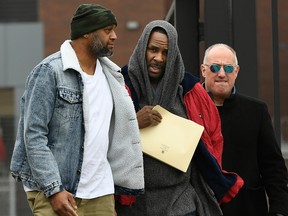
{"points": [[173, 141]]}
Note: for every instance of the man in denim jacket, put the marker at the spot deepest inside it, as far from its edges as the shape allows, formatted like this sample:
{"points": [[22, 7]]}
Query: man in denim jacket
{"points": [[72, 151]]}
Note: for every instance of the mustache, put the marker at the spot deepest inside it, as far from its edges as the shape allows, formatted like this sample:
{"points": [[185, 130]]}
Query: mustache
{"points": [[157, 64]]}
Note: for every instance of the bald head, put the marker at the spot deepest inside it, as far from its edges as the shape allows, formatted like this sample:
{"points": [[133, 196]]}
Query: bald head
{"points": [[220, 69]]}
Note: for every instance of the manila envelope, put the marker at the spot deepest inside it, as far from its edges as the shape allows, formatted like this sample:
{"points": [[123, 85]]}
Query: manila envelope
{"points": [[173, 141]]}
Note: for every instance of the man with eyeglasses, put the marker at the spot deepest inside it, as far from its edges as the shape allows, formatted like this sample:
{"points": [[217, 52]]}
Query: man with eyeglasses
{"points": [[250, 147]]}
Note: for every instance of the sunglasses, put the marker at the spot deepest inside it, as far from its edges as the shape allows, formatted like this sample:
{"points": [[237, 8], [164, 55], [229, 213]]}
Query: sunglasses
{"points": [[216, 68]]}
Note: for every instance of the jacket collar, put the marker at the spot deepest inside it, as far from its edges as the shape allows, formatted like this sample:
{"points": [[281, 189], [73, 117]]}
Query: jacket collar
{"points": [[69, 58]]}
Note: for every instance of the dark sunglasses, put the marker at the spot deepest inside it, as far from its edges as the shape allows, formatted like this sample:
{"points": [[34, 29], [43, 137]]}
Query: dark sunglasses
{"points": [[216, 68]]}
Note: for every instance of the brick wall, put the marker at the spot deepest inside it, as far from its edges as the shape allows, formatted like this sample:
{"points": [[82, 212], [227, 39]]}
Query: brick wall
{"points": [[56, 16]]}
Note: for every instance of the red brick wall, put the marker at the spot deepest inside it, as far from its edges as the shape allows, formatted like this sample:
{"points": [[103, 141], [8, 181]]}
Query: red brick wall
{"points": [[56, 16]]}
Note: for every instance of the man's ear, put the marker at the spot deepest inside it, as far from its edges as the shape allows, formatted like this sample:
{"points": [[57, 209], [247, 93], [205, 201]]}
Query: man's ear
{"points": [[237, 70], [203, 70]]}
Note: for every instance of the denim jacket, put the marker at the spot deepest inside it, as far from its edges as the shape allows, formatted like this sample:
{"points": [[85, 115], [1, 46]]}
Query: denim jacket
{"points": [[48, 152]]}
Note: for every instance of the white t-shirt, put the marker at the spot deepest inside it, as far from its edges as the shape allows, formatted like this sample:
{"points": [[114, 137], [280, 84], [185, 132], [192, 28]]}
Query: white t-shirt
{"points": [[96, 177]]}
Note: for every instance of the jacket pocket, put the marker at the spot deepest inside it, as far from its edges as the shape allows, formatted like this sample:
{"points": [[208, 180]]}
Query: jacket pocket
{"points": [[68, 103]]}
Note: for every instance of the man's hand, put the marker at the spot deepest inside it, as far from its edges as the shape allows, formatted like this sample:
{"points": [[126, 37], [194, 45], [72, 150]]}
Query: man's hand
{"points": [[147, 116], [64, 204]]}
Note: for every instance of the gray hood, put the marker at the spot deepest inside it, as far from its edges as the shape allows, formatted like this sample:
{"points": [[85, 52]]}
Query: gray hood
{"points": [[169, 90]]}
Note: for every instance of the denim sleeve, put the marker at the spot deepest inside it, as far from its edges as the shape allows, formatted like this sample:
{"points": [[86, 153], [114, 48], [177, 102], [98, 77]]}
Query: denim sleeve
{"points": [[40, 94]]}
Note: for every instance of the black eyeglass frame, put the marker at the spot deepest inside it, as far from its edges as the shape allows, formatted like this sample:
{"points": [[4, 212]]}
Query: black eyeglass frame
{"points": [[215, 68]]}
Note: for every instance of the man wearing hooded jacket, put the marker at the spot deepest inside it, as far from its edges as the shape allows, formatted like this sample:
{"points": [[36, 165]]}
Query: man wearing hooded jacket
{"points": [[156, 75]]}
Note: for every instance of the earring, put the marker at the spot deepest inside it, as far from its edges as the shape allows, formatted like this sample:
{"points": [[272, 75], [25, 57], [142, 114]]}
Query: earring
{"points": [[86, 36]]}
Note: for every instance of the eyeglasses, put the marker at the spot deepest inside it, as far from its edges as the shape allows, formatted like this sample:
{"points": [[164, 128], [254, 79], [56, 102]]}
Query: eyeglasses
{"points": [[216, 68]]}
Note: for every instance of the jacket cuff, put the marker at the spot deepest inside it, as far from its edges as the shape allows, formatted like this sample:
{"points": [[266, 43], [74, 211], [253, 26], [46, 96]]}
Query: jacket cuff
{"points": [[53, 189]]}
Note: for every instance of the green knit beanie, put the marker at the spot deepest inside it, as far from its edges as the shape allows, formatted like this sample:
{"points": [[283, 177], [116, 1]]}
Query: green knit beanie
{"points": [[90, 17]]}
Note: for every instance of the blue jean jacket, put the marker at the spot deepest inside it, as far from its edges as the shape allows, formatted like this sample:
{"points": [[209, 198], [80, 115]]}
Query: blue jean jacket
{"points": [[48, 152]]}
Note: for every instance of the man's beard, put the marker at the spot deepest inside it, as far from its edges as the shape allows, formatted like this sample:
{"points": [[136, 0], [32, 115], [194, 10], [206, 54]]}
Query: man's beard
{"points": [[97, 48]]}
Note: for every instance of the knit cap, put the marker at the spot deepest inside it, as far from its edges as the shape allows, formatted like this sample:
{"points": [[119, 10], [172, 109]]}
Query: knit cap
{"points": [[90, 17]]}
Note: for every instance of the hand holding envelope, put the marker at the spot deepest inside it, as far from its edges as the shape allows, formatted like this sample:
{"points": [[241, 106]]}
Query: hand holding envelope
{"points": [[173, 141]]}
